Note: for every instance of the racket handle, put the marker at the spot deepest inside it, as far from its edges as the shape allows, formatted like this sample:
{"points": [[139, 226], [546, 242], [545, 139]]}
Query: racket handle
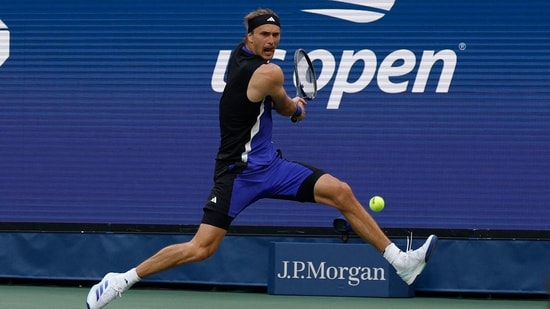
{"points": [[297, 113]]}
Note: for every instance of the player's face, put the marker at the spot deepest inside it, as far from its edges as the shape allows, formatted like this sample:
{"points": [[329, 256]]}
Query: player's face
{"points": [[264, 40]]}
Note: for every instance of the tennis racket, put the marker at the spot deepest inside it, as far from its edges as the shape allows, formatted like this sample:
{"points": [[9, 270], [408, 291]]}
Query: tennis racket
{"points": [[304, 77]]}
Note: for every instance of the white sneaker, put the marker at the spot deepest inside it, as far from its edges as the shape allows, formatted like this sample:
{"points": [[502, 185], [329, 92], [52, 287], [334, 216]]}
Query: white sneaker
{"points": [[109, 288], [411, 263]]}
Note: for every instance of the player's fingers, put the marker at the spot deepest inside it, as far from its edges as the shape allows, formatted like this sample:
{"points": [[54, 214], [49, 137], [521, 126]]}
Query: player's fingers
{"points": [[299, 100], [303, 115]]}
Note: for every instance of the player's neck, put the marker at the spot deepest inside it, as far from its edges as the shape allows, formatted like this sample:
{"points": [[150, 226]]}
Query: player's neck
{"points": [[247, 49]]}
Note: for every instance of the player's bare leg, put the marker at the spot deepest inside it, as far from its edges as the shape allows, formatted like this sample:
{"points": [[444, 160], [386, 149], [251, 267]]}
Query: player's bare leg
{"points": [[331, 191], [205, 242], [203, 245]]}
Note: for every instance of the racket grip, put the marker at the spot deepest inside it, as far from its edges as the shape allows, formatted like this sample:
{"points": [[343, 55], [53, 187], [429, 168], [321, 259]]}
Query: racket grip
{"points": [[297, 113]]}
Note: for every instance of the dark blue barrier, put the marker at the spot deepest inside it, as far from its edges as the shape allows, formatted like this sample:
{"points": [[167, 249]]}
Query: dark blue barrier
{"points": [[495, 266]]}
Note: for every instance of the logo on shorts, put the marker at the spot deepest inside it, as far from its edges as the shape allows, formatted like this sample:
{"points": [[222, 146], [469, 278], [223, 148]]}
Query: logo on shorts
{"points": [[370, 11]]}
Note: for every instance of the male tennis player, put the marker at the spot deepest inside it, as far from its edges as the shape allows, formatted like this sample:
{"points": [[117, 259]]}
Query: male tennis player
{"points": [[249, 168]]}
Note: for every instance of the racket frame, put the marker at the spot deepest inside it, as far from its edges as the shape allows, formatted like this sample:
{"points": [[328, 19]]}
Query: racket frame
{"points": [[297, 82]]}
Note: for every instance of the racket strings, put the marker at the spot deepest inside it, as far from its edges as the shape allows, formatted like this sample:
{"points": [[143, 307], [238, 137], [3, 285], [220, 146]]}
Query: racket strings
{"points": [[306, 77]]}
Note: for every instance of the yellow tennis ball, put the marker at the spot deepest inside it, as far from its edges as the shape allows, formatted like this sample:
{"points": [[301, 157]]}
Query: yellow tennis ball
{"points": [[377, 203]]}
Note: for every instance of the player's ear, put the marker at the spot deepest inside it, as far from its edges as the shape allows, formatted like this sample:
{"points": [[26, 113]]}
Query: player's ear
{"points": [[249, 37]]}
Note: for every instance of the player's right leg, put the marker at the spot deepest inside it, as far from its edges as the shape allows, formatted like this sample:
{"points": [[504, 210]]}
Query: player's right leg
{"points": [[203, 245], [109, 288]]}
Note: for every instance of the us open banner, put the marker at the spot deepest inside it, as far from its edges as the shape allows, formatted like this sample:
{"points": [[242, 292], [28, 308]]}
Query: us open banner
{"points": [[108, 109]]}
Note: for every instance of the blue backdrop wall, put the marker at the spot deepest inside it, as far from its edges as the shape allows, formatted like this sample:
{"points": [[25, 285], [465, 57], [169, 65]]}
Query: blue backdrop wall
{"points": [[108, 110]]}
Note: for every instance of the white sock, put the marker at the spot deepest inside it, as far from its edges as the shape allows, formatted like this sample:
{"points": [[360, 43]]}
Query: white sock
{"points": [[391, 252], [131, 276]]}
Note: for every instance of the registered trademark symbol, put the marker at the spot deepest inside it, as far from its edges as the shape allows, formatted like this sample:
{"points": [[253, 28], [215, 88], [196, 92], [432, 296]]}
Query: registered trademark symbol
{"points": [[462, 46]]}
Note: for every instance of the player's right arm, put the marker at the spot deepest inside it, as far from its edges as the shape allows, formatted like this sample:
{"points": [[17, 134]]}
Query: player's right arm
{"points": [[268, 80]]}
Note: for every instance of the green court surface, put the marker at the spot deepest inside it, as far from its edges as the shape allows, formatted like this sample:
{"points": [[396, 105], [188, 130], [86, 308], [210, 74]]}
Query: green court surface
{"points": [[50, 297]]}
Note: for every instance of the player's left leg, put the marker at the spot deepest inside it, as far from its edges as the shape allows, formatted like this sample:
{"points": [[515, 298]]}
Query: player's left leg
{"points": [[331, 191]]}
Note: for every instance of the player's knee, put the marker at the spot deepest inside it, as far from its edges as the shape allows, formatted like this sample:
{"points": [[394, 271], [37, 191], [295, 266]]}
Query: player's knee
{"points": [[201, 252], [204, 253], [342, 194], [193, 252]]}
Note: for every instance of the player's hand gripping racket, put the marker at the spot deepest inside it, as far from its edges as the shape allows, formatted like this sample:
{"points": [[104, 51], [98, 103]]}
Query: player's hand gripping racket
{"points": [[304, 77]]}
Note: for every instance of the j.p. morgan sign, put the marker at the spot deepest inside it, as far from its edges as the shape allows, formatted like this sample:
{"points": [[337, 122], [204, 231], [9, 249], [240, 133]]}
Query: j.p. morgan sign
{"points": [[332, 269]]}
